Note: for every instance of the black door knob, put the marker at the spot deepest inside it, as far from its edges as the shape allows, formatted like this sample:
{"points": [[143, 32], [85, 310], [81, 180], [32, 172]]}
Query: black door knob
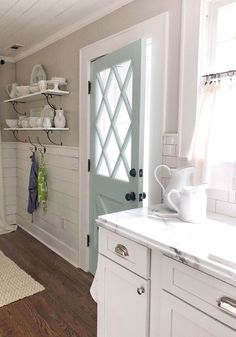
{"points": [[132, 172], [130, 196], [142, 196]]}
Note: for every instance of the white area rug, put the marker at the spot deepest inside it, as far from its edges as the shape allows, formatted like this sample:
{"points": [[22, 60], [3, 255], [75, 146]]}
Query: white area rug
{"points": [[15, 284]]}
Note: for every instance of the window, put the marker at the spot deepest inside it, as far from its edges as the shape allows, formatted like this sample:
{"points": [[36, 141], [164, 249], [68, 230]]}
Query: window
{"points": [[222, 36], [214, 138]]}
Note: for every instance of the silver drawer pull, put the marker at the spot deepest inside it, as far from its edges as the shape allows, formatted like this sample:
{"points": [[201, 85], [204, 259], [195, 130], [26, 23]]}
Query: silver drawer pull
{"points": [[140, 290], [228, 305], [121, 250]]}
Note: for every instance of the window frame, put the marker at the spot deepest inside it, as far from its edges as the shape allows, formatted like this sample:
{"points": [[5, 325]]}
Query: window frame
{"points": [[213, 7], [198, 21]]}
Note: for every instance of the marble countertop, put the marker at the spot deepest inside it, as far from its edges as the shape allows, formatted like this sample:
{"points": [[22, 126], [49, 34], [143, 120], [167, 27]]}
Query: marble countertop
{"points": [[209, 246]]}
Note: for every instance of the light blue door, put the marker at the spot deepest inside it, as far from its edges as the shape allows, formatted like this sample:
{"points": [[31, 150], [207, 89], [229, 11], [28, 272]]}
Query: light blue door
{"points": [[116, 135]]}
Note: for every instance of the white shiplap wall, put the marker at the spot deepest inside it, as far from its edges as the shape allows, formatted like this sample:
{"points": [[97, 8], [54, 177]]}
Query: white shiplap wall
{"points": [[9, 179], [58, 226]]}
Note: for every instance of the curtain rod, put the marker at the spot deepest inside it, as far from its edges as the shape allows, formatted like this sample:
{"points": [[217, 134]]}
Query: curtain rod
{"points": [[224, 73]]}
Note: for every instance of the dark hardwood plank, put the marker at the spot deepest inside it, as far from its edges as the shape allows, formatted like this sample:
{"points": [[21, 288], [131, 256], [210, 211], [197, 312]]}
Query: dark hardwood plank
{"points": [[64, 309]]}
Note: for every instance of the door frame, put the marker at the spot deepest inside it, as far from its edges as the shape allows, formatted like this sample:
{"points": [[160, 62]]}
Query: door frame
{"points": [[157, 29]]}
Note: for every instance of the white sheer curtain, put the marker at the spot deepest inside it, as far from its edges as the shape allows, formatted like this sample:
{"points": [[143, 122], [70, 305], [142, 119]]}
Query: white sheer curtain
{"points": [[4, 226], [213, 150]]}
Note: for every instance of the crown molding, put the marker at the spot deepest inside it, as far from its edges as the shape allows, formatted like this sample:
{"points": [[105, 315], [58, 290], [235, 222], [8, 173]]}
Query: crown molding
{"points": [[71, 29], [8, 59]]}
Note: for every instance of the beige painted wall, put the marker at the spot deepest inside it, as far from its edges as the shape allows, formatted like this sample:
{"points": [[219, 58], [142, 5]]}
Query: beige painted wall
{"points": [[62, 57], [7, 75]]}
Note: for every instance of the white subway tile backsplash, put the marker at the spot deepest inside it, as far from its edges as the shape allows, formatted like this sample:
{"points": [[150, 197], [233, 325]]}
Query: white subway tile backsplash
{"points": [[226, 208], [171, 139], [234, 184], [211, 205], [165, 182], [171, 161], [169, 150], [232, 197], [217, 194]]}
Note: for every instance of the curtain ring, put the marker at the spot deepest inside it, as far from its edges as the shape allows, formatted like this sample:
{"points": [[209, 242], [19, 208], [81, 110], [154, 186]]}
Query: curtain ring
{"points": [[230, 74]]}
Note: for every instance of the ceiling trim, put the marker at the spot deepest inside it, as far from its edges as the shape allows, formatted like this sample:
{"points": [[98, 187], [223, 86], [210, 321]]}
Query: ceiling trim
{"points": [[71, 29], [8, 59]]}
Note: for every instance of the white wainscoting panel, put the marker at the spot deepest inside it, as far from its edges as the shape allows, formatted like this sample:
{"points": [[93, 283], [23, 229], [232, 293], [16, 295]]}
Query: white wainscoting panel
{"points": [[57, 227], [9, 180]]}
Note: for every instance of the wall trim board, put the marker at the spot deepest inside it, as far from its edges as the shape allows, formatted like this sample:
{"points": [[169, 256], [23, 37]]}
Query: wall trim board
{"points": [[67, 253], [67, 151], [71, 29], [157, 29], [8, 59]]}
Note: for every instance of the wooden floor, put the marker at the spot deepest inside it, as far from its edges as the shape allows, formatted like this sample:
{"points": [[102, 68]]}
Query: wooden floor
{"points": [[63, 309]]}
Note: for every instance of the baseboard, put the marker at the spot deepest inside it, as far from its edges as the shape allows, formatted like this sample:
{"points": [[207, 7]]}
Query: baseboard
{"points": [[67, 253]]}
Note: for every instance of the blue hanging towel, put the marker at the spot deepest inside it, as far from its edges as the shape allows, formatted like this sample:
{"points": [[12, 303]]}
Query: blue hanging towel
{"points": [[33, 186]]}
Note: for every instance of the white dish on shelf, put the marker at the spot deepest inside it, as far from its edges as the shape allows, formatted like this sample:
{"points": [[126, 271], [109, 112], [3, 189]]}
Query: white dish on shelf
{"points": [[33, 122], [34, 88], [25, 122], [60, 79], [56, 83], [37, 74], [12, 123], [40, 122], [22, 90]]}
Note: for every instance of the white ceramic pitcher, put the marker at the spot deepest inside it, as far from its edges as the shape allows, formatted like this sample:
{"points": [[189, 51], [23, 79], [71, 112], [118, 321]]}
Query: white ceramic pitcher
{"points": [[178, 179], [192, 203]]}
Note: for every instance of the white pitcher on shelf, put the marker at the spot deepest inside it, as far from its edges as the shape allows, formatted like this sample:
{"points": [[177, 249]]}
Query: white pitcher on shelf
{"points": [[192, 203], [178, 178], [59, 119]]}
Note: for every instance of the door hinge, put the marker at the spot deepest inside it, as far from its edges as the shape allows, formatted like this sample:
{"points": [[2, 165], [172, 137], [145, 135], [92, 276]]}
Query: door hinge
{"points": [[89, 87], [88, 240], [89, 165]]}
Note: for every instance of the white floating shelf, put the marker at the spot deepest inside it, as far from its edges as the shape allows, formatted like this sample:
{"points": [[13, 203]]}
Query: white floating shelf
{"points": [[37, 96], [36, 129]]}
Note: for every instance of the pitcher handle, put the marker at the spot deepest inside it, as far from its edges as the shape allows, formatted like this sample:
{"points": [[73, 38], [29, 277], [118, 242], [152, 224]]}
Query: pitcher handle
{"points": [[156, 176], [171, 202]]}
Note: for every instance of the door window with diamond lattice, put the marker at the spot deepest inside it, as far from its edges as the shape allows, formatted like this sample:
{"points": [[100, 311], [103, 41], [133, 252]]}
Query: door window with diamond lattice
{"points": [[113, 106]]}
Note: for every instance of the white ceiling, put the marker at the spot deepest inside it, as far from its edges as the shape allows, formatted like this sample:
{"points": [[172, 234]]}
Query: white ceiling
{"points": [[35, 23]]}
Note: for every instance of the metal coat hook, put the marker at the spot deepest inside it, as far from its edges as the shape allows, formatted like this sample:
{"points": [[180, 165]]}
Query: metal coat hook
{"points": [[44, 148], [35, 146], [18, 112], [15, 132], [49, 138]]}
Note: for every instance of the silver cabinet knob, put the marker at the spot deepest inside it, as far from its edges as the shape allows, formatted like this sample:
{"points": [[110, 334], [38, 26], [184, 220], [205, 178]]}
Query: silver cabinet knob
{"points": [[140, 290], [121, 250]]}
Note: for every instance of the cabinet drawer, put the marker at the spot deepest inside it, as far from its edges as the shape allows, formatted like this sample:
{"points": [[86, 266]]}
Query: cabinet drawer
{"points": [[127, 253], [199, 289], [181, 319]]}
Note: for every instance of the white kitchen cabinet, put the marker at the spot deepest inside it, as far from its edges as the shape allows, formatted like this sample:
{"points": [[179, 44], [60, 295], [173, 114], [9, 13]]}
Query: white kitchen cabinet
{"points": [[175, 300], [123, 301], [178, 319]]}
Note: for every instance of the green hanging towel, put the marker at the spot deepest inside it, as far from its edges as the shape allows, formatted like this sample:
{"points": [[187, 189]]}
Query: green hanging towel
{"points": [[42, 184]]}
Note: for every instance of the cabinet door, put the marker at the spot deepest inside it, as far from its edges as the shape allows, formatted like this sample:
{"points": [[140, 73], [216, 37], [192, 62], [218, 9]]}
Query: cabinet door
{"points": [[123, 301], [179, 319]]}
